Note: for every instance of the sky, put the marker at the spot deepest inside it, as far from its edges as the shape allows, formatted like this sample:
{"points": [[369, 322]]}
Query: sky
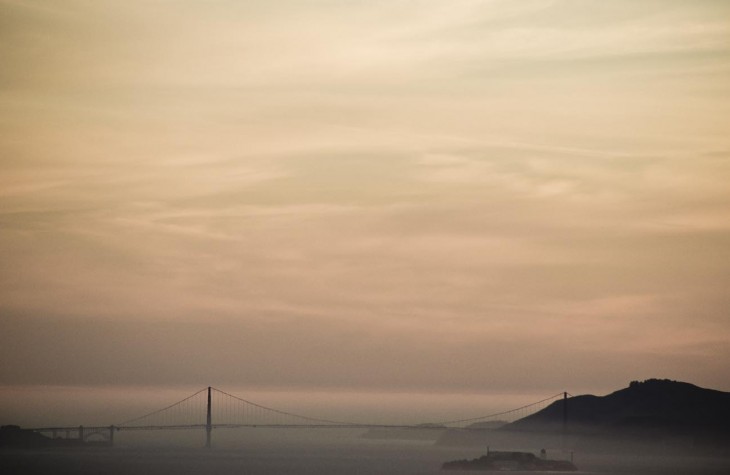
{"points": [[400, 199]]}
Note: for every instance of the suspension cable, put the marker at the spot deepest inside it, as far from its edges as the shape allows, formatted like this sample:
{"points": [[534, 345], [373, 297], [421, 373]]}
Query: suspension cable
{"points": [[313, 419], [328, 421], [160, 410], [498, 413]]}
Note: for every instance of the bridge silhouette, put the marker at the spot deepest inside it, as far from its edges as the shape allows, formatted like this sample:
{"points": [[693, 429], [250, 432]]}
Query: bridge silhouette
{"points": [[211, 408]]}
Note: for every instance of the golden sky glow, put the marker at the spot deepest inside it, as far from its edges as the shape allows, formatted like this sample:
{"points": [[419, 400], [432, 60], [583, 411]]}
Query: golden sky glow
{"points": [[373, 195]]}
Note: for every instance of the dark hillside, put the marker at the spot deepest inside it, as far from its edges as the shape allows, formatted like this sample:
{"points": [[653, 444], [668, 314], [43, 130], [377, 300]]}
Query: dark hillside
{"points": [[652, 406]]}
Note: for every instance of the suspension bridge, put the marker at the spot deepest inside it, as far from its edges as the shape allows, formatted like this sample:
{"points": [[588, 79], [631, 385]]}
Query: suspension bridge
{"points": [[211, 408]]}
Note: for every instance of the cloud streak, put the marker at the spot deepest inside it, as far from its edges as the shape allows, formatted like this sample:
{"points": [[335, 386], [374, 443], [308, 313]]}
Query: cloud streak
{"points": [[365, 194]]}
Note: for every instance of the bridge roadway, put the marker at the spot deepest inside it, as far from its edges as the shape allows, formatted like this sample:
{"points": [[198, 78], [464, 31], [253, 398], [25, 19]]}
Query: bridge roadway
{"points": [[92, 429], [191, 407]]}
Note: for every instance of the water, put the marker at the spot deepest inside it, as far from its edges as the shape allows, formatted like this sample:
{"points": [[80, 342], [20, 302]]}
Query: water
{"points": [[304, 453], [382, 460], [301, 460]]}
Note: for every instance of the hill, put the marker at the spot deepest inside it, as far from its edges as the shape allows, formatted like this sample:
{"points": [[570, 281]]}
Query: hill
{"points": [[650, 407], [14, 436]]}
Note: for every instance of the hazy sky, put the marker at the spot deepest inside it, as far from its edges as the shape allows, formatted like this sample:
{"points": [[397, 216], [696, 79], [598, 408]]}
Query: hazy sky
{"points": [[420, 196]]}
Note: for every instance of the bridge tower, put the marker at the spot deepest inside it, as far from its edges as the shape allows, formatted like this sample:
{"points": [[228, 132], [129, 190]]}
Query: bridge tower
{"points": [[208, 422], [565, 413]]}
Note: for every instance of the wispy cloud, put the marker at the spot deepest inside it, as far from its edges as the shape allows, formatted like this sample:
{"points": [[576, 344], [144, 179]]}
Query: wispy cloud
{"points": [[419, 182]]}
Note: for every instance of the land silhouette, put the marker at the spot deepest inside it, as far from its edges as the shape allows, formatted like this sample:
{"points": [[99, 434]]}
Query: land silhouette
{"points": [[648, 416], [651, 407]]}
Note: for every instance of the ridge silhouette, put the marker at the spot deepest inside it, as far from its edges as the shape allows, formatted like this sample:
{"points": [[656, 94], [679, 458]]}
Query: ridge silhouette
{"points": [[653, 406]]}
